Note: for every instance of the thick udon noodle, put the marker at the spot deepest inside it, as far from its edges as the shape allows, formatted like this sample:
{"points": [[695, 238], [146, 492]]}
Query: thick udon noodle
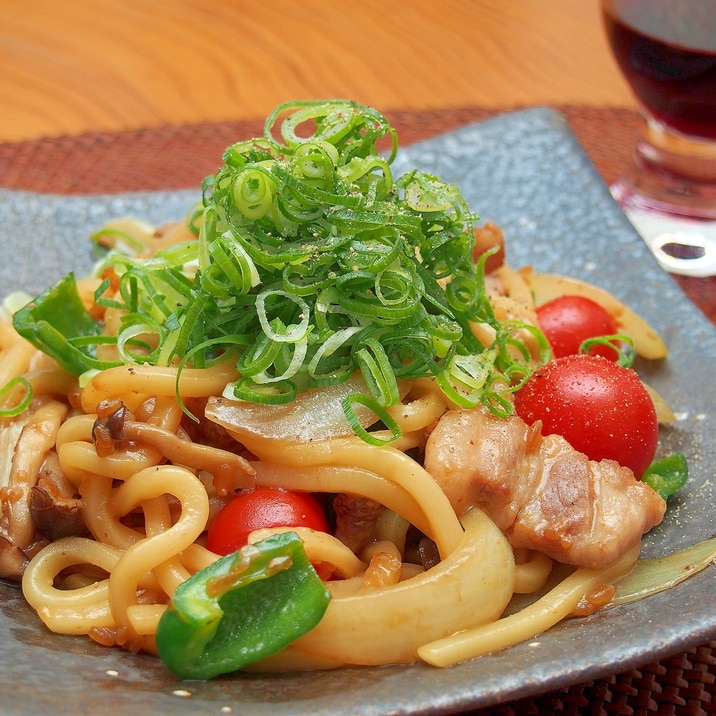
{"points": [[147, 506]]}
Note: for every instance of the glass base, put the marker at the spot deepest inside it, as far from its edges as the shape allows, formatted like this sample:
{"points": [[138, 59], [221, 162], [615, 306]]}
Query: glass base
{"points": [[672, 174], [656, 193], [682, 245]]}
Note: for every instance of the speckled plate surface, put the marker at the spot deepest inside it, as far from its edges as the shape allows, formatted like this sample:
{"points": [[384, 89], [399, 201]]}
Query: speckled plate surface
{"points": [[526, 172]]}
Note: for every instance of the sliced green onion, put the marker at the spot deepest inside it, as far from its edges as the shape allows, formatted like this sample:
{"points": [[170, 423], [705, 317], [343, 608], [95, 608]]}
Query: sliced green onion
{"points": [[235, 264], [331, 345], [258, 358], [254, 191], [367, 401], [306, 279], [23, 403], [465, 377], [133, 327], [287, 369], [108, 238], [273, 394], [514, 356], [357, 292], [292, 333], [442, 328], [427, 194], [372, 250], [463, 293], [622, 344], [377, 371], [185, 330]]}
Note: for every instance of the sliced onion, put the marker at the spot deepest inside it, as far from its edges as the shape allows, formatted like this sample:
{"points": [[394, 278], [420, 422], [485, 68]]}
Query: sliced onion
{"points": [[314, 414], [470, 587], [651, 576]]}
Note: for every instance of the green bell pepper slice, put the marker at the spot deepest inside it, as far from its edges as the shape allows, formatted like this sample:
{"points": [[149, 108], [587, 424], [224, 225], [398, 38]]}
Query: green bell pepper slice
{"points": [[58, 324], [668, 475], [242, 608]]}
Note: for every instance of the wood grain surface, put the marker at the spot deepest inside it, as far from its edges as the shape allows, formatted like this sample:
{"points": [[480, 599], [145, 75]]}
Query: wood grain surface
{"points": [[72, 66]]}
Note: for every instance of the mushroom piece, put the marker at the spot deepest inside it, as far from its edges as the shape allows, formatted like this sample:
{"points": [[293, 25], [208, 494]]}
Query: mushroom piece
{"points": [[56, 509], [34, 443], [56, 516]]}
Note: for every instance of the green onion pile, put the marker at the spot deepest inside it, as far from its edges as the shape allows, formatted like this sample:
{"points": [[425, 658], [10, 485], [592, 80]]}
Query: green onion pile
{"points": [[312, 261]]}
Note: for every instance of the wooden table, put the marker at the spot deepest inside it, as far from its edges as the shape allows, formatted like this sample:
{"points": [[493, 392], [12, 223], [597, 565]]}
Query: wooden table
{"points": [[86, 65]]}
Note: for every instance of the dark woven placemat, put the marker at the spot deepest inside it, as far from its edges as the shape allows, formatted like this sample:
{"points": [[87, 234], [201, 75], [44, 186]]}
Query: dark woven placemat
{"points": [[179, 157]]}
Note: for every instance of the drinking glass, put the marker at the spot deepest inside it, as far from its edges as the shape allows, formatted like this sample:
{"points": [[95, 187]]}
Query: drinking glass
{"points": [[666, 50]]}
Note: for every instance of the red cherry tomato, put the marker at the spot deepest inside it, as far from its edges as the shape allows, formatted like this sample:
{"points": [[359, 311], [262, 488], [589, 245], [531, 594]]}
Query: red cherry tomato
{"points": [[567, 321], [258, 508], [601, 408]]}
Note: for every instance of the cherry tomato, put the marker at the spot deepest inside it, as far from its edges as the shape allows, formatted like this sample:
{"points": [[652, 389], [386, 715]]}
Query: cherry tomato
{"points": [[258, 508], [567, 321], [601, 408]]}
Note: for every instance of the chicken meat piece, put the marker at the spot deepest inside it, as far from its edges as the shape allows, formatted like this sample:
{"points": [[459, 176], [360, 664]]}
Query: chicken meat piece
{"points": [[538, 489]]}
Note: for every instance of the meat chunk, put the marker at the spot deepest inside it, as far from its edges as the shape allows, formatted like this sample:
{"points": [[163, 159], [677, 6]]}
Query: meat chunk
{"points": [[356, 520], [490, 236], [541, 492]]}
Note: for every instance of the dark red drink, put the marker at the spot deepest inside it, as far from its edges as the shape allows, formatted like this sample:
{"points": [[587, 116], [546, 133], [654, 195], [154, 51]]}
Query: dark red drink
{"points": [[667, 52]]}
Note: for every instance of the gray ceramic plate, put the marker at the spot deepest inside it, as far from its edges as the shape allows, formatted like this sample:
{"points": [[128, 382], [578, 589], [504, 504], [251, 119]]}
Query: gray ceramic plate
{"points": [[526, 172]]}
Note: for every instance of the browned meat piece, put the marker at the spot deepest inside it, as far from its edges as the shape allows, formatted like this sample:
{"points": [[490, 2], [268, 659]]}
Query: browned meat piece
{"points": [[489, 236], [356, 519], [540, 491]]}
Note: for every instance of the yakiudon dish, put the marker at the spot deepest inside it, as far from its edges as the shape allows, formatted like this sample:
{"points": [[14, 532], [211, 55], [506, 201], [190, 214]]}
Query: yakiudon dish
{"points": [[322, 422]]}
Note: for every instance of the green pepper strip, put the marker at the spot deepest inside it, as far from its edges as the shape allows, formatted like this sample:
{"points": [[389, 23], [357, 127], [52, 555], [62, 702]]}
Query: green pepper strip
{"points": [[668, 475], [242, 608], [54, 320]]}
